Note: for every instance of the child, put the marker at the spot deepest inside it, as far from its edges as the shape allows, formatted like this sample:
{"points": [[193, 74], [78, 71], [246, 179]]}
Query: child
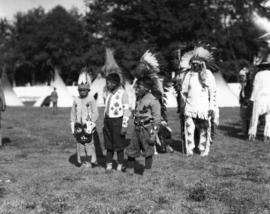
{"points": [[147, 118], [84, 114], [116, 117]]}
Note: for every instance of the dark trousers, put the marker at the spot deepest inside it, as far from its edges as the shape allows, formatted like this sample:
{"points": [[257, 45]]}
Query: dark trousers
{"points": [[113, 140], [120, 156], [140, 141]]}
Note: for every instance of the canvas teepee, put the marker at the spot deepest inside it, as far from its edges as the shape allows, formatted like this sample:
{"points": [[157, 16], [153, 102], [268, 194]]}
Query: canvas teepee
{"points": [[111, 65], [10, 96], [64, 97], [97, 90], [225, 96]]}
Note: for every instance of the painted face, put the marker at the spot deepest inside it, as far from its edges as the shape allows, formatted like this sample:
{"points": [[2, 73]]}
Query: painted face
{"points": [[111, 86], [83, 92]]}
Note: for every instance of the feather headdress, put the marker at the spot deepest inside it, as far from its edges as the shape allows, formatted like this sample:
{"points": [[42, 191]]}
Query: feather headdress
{"points": [[149, 67], [150, 60], [185, 59], [202, 54], [84, 79]]}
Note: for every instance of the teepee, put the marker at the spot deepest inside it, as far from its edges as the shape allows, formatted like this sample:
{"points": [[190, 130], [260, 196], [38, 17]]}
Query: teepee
{"points": [[111, 65], [64, 97], [10, 96], [225, 96], [97, 90]]}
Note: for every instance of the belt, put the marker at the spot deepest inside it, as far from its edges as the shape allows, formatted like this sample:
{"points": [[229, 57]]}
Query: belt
{"points": [[146, 122]]}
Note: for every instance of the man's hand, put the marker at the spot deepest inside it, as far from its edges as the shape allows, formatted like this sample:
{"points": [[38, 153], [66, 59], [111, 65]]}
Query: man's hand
{"points": [[123, 131]]}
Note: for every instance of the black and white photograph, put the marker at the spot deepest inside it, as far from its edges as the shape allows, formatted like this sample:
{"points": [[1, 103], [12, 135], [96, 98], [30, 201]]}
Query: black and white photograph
{"points": [[135, 106]]}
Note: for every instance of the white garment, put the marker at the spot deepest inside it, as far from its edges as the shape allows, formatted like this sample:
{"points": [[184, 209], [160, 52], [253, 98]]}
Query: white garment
{"points": [[261, 102], [199, 99]]}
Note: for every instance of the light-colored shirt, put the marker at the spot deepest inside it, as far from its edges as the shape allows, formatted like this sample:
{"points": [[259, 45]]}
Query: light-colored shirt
{"points": [[117, 105], [84, 110], [199, 98]]}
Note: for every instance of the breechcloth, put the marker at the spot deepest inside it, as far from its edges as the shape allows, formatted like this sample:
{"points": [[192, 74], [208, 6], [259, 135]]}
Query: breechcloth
{"points": [[204, 134], [140, 141], [112, 134]]}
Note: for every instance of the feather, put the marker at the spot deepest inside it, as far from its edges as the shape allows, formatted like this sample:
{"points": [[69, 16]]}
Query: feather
{"points": [[203, 53], [84, 77], [151, 60], [149, 67], [185, 59]]}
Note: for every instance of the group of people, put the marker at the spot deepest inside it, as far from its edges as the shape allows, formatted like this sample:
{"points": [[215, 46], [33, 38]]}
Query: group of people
{"points": [[197, 92]]}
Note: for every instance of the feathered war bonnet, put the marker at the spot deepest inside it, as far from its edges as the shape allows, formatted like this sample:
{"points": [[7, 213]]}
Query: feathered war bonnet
{"points": [[84, 80], [198, 55], [147, 74]]}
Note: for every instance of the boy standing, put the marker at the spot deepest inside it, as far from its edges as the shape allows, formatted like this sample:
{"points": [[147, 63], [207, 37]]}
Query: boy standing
{"points": [[147, 121], [84, 114], [116, 117]]}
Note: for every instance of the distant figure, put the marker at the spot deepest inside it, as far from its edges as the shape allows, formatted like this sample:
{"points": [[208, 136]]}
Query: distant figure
{"points": [[2, 108], [244, 97], [54, 99]]}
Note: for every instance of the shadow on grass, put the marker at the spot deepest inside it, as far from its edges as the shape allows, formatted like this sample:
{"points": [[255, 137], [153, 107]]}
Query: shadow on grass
{"points": [[232, 131], [178, 145]]}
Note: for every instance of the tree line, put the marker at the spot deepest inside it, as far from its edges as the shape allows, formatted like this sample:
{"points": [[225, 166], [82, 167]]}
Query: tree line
{"points": [[37, 42]]}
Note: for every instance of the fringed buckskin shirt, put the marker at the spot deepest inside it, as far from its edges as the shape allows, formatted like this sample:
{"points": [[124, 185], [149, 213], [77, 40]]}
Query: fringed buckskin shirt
{"points": [[199, 97]]}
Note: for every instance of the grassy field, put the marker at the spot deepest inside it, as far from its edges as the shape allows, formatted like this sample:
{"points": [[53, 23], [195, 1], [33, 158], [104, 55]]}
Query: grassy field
{"points": [[38, 173]]}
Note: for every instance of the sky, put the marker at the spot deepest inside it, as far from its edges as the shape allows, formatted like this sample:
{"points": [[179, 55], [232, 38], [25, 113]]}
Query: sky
{"points": [[8, 8]]}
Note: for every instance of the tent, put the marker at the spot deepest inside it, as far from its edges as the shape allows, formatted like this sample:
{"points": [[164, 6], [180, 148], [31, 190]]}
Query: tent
{"points": [[10, 96], [225, 96], [65, 99], [97, 90], [171, 95]]}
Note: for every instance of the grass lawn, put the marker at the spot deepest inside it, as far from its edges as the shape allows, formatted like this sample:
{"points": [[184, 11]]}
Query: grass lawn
{"points": [[38, 173]]}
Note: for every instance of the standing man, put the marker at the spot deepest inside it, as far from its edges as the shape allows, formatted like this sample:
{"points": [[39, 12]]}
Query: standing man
{"points": [[199, 95], [2, 108], [147, 119], [54, 99]]}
